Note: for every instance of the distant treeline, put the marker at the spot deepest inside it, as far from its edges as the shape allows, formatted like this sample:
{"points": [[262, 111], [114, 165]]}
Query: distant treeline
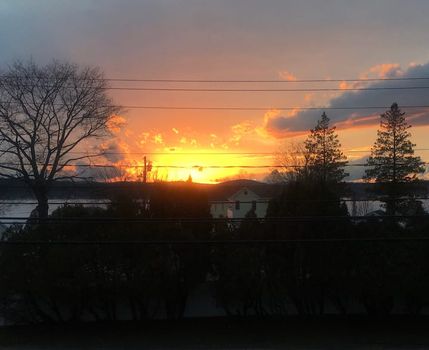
{"points": [[17, 189]]}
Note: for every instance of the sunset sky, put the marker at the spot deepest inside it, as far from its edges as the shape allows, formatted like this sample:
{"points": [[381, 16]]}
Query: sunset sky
{"points": [[233, 40]]}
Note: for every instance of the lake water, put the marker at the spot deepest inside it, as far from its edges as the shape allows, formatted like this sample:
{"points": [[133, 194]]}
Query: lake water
{"points": [[22, 208]]}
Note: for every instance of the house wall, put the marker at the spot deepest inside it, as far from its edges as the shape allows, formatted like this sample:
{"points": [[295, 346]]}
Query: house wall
{"points": [[218, 209], [238, 205]]}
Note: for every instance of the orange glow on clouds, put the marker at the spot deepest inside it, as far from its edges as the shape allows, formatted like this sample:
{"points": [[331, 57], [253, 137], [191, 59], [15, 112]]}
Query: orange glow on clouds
{"points": [[116, 123], [179, 153], [384, 70], [288, 76]]}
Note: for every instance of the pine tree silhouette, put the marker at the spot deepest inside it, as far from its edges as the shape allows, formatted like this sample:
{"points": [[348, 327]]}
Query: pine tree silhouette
{"points": [[392, 161], [326, 161]]}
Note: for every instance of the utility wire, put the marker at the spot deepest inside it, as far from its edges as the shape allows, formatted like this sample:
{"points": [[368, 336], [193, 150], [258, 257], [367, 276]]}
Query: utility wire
{"points": [[177, 80], [110, 220], [266, 80], [245, 90], [284, 108], [112, 202], [270, 90], [211, 242], [173, 153], [101, 187], [196, 166]]}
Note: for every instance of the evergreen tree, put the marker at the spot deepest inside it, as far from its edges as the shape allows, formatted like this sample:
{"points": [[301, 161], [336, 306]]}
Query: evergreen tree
{"points": [[325, 161], [392, 157], [392, 161]]}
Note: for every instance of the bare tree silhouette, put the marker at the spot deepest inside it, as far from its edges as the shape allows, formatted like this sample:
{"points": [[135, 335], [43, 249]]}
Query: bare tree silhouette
{"points": [[45, 113]]}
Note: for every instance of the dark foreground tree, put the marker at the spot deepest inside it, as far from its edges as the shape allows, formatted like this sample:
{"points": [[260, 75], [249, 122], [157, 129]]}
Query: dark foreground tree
{"points": [[311, 193], [184, 214], [45, 113], [392, 162]]}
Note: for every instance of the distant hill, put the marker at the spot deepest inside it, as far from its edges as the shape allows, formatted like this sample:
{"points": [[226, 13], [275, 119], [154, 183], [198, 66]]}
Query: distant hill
{"points": [[15, 189]]}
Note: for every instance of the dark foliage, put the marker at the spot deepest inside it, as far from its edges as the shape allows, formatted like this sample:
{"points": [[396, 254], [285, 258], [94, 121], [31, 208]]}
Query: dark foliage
{"points": [[392, 164], [70, 282]]}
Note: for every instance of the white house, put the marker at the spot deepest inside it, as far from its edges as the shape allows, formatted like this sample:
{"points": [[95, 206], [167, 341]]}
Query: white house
{"points": [[237, 205]]}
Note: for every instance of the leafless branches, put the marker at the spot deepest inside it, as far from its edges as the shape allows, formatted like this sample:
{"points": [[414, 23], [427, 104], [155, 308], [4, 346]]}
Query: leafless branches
{"points": [[45, 113]]}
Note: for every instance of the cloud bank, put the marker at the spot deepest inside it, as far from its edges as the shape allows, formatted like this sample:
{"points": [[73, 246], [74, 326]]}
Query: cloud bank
{"points": [[285, 124]]}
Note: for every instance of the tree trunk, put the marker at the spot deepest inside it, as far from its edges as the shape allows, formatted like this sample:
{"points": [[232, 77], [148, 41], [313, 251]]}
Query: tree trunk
{"points": [[391, 202], [41, 194]]}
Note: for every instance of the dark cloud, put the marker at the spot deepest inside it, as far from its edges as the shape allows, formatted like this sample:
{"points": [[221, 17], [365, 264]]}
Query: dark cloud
{"points": [[85, 171], [306, 119], [170, 36], [112, 151]]}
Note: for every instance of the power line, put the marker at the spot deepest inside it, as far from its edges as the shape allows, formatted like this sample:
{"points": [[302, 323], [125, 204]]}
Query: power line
{"points": [[294, 81], [212, 242], [180, 80], [285, 108], [269, 90], [195, 166], [110, 220], [231, 108], [173, 153], [55, 203], [250, 90], [266, 80], [112, 202], [177, 80], [101, 187]]}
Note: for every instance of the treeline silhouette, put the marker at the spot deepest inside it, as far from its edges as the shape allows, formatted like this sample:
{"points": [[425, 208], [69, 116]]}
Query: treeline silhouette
{"points": [[66, 270]]}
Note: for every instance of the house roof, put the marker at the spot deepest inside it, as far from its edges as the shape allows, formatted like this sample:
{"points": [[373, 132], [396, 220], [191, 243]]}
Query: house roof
{"points": [[225, 190], [245, 191]]}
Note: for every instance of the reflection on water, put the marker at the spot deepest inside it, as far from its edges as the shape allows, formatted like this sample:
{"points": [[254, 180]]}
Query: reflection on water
{"points": [[22, 208]]}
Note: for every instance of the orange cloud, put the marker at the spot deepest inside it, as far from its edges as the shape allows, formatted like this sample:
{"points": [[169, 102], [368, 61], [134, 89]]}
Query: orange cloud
{"points": [[158, 139], [344, 85], [242, 128], [358, 121], [115, 124], [384, 70], [269, 129], [308, 97], [286, 75]]}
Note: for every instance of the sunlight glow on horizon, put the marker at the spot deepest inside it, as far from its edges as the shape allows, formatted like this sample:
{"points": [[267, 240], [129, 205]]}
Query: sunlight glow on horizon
{"points": [[214, 165], [203, 166]]}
